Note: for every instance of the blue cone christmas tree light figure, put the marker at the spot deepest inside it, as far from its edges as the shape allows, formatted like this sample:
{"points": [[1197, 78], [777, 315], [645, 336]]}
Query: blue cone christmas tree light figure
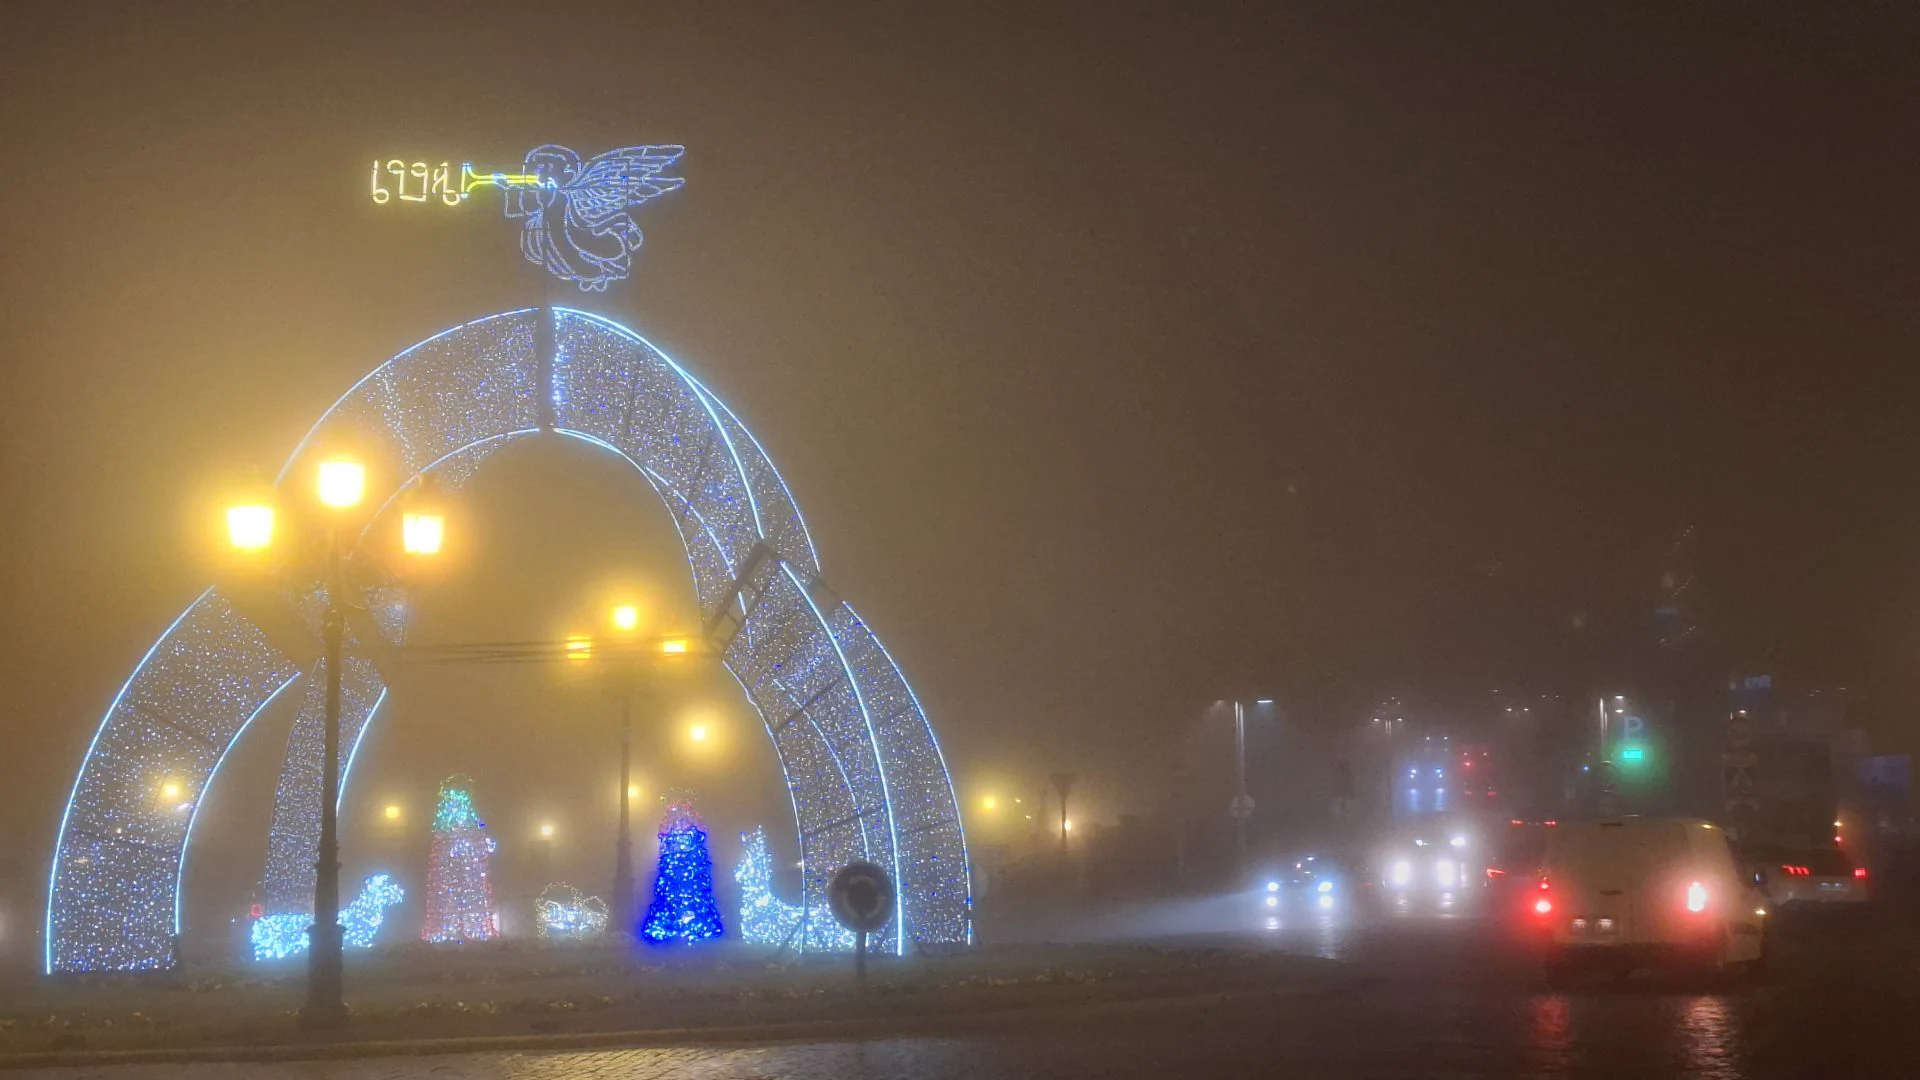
{"points": [[683, 908]]}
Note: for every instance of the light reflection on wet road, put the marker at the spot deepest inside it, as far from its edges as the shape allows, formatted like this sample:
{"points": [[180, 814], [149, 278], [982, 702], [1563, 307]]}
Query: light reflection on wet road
{"points": [[1437, 997]]}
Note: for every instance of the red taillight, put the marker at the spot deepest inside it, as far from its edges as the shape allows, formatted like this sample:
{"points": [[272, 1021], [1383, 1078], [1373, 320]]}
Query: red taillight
{"points": [[1494, 871], [1543, 906], [1550, 823], [1696, 898], [1796, 871], [1860, 872]]}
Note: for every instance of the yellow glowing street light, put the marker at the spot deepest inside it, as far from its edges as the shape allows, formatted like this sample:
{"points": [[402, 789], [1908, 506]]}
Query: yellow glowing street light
{"points": [[393, 812], [633, 791], [674, 646], [1067, 825], [626, 618], [422, 531], [170, 790], [698, 733], [579, 647], [342, 482], [990, 803], [546, 832], [250, 526]]}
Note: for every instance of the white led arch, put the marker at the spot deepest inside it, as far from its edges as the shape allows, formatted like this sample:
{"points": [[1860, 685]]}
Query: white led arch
{"points": [[862, 767]]}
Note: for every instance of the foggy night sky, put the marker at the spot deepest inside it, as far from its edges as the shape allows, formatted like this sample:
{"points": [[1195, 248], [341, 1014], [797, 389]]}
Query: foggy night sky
{"points": [[1122, 358]]}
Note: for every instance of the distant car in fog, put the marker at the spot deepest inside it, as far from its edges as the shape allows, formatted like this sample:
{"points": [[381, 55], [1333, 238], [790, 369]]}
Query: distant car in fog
{"points": [[1309, 882], [1809, 877], [1442, 860]]}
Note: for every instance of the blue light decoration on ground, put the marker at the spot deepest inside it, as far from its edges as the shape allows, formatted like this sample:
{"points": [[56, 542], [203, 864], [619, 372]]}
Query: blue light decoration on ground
{"points": [[459, 893], [562, 914], [765, 919], [683, 909], [283, 934], [858, 757]]}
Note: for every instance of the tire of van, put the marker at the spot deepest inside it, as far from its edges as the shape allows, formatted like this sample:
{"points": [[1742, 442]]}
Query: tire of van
{"points": [[1756, 969]]}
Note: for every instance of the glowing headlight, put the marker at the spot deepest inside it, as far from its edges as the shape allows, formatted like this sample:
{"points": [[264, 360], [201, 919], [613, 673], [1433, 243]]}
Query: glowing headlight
{"points": [[1273, 886], [1401, 873], [1273, 901], [1443, 872], [1326, 903], [1458, 841], [1325, 887]]}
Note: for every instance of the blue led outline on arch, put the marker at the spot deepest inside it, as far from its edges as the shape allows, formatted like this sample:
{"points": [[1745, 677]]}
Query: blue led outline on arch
{"points": [[206, 788], [966, 857], [60, 838], [663, 487], [806, 534], [719, 428], [346, 771], [300, 449], [879, 764]]}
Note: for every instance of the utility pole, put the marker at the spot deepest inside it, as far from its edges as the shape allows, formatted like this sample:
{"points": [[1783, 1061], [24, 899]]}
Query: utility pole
{"points": [[1063, 783]]}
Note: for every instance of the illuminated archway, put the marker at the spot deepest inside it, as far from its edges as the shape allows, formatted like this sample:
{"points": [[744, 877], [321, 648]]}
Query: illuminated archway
{"points": [[865, 774]]}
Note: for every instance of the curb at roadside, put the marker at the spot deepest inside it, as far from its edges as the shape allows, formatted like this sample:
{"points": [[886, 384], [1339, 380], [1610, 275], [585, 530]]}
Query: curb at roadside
{"points": [[784, 1031]]}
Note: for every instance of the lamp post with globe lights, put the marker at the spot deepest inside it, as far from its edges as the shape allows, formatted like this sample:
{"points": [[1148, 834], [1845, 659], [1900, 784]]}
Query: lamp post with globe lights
{"points": [[339, 486]]}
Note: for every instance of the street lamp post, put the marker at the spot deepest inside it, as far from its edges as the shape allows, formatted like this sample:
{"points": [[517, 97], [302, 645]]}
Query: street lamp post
{"points": [[623, 852], [626, 620], [326, 1001], [1063, 783], [1241, 804], [340, 486]]}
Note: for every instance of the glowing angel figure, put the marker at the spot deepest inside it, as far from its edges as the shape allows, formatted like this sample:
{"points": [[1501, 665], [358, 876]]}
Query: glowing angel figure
{"points": [[579, 221]]}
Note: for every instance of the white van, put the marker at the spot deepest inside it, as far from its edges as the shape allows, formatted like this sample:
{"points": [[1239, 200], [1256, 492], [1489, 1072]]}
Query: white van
{"points": [[1627, 892]]}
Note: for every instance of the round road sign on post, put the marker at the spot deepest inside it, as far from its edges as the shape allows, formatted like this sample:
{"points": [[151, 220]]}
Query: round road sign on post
{"points": [[1241, 808], [861, 896]]}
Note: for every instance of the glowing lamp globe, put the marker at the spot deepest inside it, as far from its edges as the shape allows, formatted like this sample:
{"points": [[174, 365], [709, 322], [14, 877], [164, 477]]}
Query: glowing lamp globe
{"points": [[626, 617], [674, 646], [250, 527], [579, 647], [341, 483], [421, 532]]}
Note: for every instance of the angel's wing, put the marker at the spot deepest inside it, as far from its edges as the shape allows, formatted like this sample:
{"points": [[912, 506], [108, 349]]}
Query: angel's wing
{"points": [[618, 180]]}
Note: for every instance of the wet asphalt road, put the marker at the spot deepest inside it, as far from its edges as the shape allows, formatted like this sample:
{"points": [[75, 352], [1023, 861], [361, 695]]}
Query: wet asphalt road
{"points": [[1433, 995]]}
